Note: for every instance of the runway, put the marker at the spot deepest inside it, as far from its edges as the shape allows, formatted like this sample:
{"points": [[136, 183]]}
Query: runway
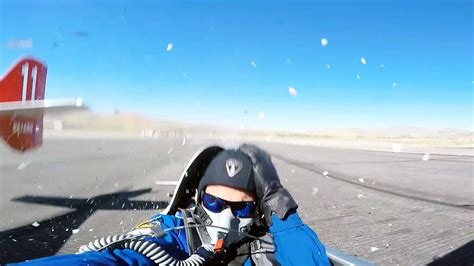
{"points": [[388, 208]]}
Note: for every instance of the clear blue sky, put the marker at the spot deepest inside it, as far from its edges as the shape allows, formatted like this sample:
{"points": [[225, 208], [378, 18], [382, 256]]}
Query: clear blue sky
{"points": [[113, 54]]}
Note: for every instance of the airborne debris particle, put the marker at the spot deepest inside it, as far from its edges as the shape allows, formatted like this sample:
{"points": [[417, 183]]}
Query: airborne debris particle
{"points": [[357, 77], [75, 231], [184, 141], [92, 229], [394, 84], [361, 180], [390, 224], [426, 157], [328, 66], [374, 249], [253, 64], [292, 91], [361, 196], [363, 61], [288, 61], [23, 165], [324, 41], [170, 149], [169, 47], [292, 171], [315, 190], [35, 224], [382, 66], [325, 173]]}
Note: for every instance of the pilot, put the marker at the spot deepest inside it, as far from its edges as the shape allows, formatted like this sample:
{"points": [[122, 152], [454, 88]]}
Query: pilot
{"points": [[241, 215]]}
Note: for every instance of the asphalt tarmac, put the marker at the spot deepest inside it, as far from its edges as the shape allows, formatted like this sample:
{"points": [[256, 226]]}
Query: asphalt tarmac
{"points": [[388, 208]]}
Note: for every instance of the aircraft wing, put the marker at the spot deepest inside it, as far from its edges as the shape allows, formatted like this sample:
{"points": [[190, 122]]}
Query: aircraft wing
{"points": [[21, 107]]}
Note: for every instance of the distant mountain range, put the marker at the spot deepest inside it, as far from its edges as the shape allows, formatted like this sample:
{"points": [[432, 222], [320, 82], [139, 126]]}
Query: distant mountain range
{"points": [[128, 122]]}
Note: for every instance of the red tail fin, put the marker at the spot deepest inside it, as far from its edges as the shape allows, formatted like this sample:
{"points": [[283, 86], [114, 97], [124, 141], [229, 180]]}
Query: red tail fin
{"points": [[24, 82]]}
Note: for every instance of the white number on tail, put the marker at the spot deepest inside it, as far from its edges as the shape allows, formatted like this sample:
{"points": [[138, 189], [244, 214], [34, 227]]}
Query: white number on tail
{"points": [[34, 73]]}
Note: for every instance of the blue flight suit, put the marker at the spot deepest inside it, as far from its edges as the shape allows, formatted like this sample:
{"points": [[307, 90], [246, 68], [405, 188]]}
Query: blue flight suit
{"points": [[295, 242]]}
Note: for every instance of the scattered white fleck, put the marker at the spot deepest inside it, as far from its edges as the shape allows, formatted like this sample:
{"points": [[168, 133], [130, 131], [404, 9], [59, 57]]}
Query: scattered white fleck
{"points": [[315, 190], [35, 224], [382, 66], [357, 76], [288, 61], [121, 222], [40, 187], [23, 165], [253, 64], [361, 180], [396, 147], [426, 157], [324, 41], [361, 196], [374, 249], [184, 141], [387, 245], [363, 61], [116, 184], [169, 47], [286, 179], [373, 183], [394, 84], [13, 239], [67, 229], [328, 66], [92, 229], [170, 149], [390, 224], [292, 91], [333, 206], [293, 171], [261, 115], [325, 173], [70, 196], [75, 231]]}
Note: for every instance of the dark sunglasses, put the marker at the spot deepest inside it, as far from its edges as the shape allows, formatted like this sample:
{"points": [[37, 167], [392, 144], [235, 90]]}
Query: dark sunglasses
{"points": [[241, 209]]}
